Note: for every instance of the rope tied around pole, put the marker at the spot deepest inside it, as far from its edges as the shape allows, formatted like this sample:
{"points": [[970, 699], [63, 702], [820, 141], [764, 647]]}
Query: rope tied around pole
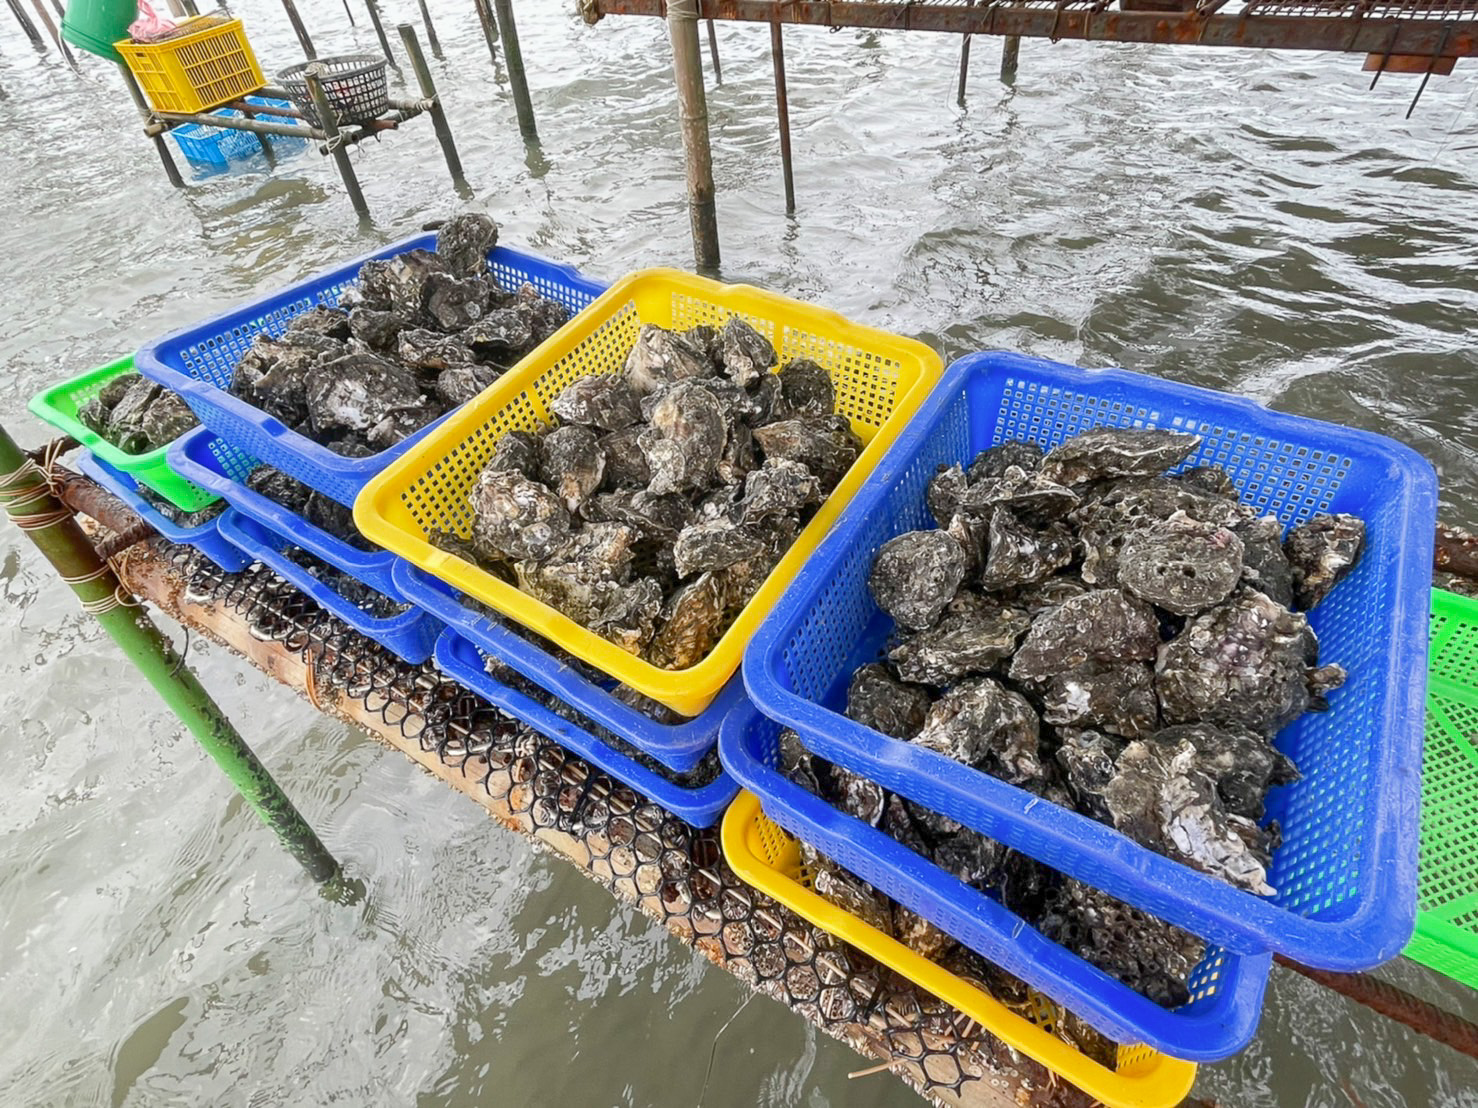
{"points": [[26, 483]]}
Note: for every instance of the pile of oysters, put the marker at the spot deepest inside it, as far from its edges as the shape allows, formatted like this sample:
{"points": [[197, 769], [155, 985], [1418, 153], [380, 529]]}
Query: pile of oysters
{"points": [[136, 415], [668, 490], [1116, 641], [419, 334]]}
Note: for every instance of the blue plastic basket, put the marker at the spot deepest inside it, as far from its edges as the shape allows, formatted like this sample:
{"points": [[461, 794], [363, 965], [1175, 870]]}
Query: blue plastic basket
{"points": [[199, 361], [679, 747], [205, 538], [1346, 873], [217, 147], [411, 634], [460, 660], [1226, 989], [203, 457]]}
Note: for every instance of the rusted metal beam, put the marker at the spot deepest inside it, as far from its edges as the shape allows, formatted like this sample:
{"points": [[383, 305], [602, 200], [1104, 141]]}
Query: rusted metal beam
{"points": [[1369, 35]]}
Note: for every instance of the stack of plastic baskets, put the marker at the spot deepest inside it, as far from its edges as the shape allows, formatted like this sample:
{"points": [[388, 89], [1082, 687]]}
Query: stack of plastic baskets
{"points": [[1345, 874], [880, 380], [217, 147]]}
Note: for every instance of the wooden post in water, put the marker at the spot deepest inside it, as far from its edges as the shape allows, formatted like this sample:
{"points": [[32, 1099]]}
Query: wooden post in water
{"points": [[335, 142], [692, 110], [374, 12], [190, 7], [438, 116], [176, 9], [430, 31], [350, 13], [300, 30], [718, 70], [782, 112], [171, 170], [489, 28], [262, 140], [27, 26], [56, 36], [1010, 51], [964, 62], [25, 493], [508, 32]]}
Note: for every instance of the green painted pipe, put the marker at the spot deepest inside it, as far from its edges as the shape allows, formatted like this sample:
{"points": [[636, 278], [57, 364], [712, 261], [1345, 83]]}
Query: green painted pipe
{"points": [[31, 506]]}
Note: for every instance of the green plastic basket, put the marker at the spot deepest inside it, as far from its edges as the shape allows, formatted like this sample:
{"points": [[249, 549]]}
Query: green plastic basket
{"points": [[58, 406], [1446, 936]]}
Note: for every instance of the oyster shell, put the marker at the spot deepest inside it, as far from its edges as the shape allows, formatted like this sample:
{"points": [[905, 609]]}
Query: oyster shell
{"points": [[746, 353], [1114, 697], [1117, 452], [661, 357], [693, 621], [779, 487], [358, 391], [572, 463], [915, 575], [626, 461], [1105, 625], [455, 303], [421, 348], [960, 645], [981, 723], [714, 544], [1321, 552], [516, 452], [1264, 565], [1020, 555], [946, 494], [465, 241], [458, 384], [606, 403], [1181, 565], [516, 517], [1087, 759], [995, 460], [875, 699], [826, 446], [807, 388], [685, 440], [583, 575]]}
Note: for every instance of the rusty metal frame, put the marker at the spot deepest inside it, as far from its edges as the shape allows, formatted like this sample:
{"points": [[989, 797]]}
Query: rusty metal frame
{"points": [[1424, 27]]}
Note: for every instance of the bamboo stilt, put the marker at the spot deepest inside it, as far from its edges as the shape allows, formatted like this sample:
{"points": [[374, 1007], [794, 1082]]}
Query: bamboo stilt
{"points": [[430, 31], [687, 70], [782, 112], [718, 71], [27, 498], [262, 140], [438, 116], [1010, 52], [27, 26], [374, 13], [300, 30], [171, 170], [350, 13], [489, 28], [336, 147], [508, 31], [964, 62], [56, 35]]}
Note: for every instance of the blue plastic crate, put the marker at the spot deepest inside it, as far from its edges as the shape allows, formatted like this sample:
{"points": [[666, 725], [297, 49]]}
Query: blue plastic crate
{"points": [[1346, 873], [217, 147], [199, 361], [1226, 989], [460, 660], [203, 457], [411, 634], [205, 538], [678, 746]]}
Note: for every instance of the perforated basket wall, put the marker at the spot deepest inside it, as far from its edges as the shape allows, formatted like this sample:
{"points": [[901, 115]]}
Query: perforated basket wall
{"points": [[1226, 989], [218, 147], [203, 537], [880, 380], [1346, 872], [195, 71], [1447, 892], [765, 855], [200, 361]]}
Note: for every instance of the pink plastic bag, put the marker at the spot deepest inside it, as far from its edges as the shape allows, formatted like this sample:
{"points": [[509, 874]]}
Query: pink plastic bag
{"points": [[149, 26]]}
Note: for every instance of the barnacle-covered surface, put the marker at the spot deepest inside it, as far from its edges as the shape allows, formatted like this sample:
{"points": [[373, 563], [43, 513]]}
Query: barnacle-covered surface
{"points": [[136, 415], [643, 855]]}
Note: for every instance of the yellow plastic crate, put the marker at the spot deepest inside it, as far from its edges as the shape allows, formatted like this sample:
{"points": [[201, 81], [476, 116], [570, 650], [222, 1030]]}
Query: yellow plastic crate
{"points": [[880, 380], [195, 71], [767, 857]]}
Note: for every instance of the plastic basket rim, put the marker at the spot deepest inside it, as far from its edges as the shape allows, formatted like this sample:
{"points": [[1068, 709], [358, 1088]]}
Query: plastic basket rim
{"points": [[43, 405], [357, 63], [672, 687], [1371, 933], [1105, 1085], [700, 807], [230, 524], [679, 746], [150, 361], [252, 504], [1111, 1006]]}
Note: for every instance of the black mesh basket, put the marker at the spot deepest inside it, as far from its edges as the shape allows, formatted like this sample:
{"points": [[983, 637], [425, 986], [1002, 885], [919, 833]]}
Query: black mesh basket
{"points": [[354, 84]]}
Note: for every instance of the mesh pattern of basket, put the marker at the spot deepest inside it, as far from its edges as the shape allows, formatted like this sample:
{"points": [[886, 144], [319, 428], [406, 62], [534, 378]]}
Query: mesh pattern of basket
{"points": [[353, 83]]}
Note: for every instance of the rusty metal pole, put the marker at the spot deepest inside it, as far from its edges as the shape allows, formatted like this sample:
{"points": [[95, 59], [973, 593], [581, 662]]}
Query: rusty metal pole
{"points": [[171, 170], [300, 30], [1010, 51], [782, 112], [430, 31], [692, 110], [508, 31], [438, 116], [718, 70], [335, 141]]}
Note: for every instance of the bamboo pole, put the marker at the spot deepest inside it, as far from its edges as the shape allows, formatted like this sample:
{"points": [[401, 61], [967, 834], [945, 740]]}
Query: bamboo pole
{"points": [[27, 26], [782, 112], [718, 70], [59, 8], [349, 12], [300, 30], [169, 120], [374, 13], [489, 28], [262, 140], [56, 35], [336, 147], [27, 498], [171, 170], [692, 108], [964, 62], [508, 31], [430, 31], [1010, 52], [438, 116], [176, 9]]}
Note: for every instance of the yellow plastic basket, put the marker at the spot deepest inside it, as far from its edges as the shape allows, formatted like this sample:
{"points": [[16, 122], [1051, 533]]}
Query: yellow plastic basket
{"points": [[767, 857], [880, 381], [195, 71]]}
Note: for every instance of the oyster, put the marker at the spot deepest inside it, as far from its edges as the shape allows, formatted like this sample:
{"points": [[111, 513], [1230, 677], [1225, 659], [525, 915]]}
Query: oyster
{"points": [[1210, 479], [1117, 452], [1105, 625], [458, 384], [356, 392], [685, 440], [1020, 555], [876, 700], [500, 336], [516, 517], [464, 242], [604, 402], [779, 487], [946, 493], [377, 329], [995, 460], [1087, 758], [626, 461], [915, 575], [746, 353], [516, 452], [661, 357], [629, 619], [960, 645], [321, 320], [396, 284], [583, 574], [1264, 565], [1321, 552], [456, 303], [421, 348], [693, 621], [1030, 496], [983, 724], [572, 463], [1181, 565], [807, 388], [1243, 764], [1115, 697], [714, 544], [826, 446]]}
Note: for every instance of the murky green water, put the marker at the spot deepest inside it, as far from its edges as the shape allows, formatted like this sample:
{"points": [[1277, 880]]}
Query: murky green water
{"points": [[1242, 220]]}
